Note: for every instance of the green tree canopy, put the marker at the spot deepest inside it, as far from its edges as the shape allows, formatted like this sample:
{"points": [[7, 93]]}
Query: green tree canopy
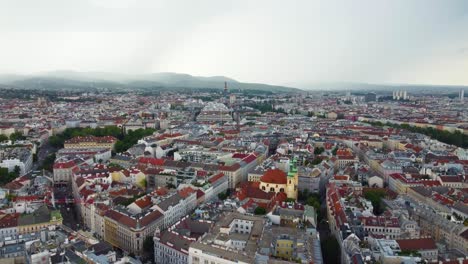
{"points": [[260, 211], [3, 138]]}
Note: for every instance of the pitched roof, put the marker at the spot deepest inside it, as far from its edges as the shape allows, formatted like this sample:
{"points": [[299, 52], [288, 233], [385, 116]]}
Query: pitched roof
{"points": [[143, 202], [275, 176], [417, 244]]}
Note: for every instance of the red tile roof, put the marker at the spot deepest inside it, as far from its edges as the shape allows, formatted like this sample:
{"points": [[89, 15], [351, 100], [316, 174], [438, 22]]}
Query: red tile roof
{"points": [[143, 202], [216, 177], [9, 220], [152, 161], [275, 176], [417, 244], [185, 192], [64, 165]]}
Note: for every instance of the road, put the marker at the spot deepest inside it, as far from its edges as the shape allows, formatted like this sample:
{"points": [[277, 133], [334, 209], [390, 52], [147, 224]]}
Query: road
{"points": [[42, 153], [71, 218]]}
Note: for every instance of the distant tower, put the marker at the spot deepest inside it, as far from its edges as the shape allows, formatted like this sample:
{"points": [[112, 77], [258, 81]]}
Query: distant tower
{"points": [[461, 95], [225, 88]]}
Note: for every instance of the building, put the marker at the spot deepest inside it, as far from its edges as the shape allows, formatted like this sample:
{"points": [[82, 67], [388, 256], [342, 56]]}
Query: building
{"points": [[276, 181], [90, 142], [172, 245], [64, 169], [215, 112], [426, 247], [381, 226], [309, 179], [461, 95], [370, 97], [174, 207], [400, 95], [96, 154], [127, 231], [8, 225], [40, 219], [234, 239], [16, 156]]}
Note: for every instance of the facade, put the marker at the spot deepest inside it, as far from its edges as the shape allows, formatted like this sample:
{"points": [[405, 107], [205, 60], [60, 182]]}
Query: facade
{"points": [[214, 112], [98, 155], [17, 156], [370, 97], [8, 225], [174, 207], [234, 174], [40, 219], [309, 179], [64, 170], [276, 180], [90, 142], [127, 231]]}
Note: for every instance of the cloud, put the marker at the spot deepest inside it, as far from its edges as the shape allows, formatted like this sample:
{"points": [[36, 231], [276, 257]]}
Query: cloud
{"points": [[260, 41]]}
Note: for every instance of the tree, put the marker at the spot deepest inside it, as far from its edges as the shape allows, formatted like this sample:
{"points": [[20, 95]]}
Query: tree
{"points": [[376, 196], [3, 138], [56, 141], [17, 170], [6, 177], [456, 138], [143, 183], [260, 211], [17, 136], [222, 196], [314, 202], [334, 151], [48, 162], [319, 150], [316, 161]]}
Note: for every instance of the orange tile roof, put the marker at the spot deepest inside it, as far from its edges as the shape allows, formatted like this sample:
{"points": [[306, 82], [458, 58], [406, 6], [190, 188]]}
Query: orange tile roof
{"points": [[275, 176]]}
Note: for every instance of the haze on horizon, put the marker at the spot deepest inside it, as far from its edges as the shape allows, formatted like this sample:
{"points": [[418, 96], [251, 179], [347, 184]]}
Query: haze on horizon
{"points": [[265, 41]]}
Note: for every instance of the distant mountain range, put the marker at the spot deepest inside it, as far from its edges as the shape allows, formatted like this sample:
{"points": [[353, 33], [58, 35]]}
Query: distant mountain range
{"points": [[71, 80], [168, 81]]}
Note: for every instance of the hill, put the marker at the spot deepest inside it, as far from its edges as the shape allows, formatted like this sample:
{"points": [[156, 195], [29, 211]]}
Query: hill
{"points": [[82, 81]]}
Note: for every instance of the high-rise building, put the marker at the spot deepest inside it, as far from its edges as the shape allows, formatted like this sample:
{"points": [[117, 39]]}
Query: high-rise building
{"points": [[370, 97], [400, 95], [461, 95]]}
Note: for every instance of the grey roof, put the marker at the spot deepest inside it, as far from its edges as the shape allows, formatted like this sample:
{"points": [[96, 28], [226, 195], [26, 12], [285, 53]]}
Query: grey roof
{"points": [[41, 215], [461, 207], [169, 201]]}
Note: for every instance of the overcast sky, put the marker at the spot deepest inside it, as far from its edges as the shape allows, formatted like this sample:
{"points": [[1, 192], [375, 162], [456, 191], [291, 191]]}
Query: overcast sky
{"points": [[278, 42]]}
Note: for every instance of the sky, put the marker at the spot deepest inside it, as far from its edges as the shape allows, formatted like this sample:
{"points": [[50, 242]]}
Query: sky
{"points": [[267, 41]]}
